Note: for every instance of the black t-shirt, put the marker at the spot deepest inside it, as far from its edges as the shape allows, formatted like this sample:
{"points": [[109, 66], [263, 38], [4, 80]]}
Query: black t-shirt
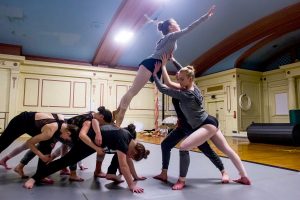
{"points": [[113, 138]]}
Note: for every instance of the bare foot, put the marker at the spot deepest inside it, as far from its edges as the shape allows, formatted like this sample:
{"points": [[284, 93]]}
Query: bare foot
{"points": [[99, 175], [19, 170], [116, 179], [75, 179], [161, 177], [3, 162], [179, 185], [225, 177], [243, 180], [29, 184]]}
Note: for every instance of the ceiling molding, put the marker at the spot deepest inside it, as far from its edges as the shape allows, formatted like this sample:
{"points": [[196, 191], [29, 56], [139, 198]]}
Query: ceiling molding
{"points": [[56, 60], [251, 33], [130, 13], [10, 49]]}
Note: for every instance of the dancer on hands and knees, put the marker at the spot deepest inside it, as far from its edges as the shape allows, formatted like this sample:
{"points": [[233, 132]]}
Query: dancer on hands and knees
{"points": [[171, 32], [114, 165]]}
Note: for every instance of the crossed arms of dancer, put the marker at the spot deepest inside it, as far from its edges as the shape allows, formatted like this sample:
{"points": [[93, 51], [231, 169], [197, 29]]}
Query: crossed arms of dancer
{"points": [[47, 133]]}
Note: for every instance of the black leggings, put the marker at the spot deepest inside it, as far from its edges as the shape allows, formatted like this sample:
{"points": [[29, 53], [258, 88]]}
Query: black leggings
{"points": [[114, 165], [19, 125], [78, 152], [175, 137]]}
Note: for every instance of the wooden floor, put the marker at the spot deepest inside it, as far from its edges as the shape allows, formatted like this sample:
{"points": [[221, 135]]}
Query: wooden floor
{"points": [[275, 155]]}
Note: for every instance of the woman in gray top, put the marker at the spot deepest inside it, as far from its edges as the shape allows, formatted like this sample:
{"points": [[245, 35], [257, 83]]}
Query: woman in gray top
{"points": [[205, 126], [166, 45]]}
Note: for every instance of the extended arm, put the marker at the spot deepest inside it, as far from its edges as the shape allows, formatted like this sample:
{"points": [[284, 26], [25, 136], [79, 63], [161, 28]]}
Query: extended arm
{"points": [[176, 64], [203, 18], [165, 74], [133, 171], [126, 172], [165, 89]]}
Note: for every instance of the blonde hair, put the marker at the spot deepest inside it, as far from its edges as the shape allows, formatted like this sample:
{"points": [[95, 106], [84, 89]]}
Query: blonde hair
{"points": [[189, 71]]}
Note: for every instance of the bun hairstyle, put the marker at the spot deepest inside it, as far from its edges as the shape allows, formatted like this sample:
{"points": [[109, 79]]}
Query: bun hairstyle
{"points": [[189, 71], [141, 152], [106, 113], [131, 129], [163, 26]]}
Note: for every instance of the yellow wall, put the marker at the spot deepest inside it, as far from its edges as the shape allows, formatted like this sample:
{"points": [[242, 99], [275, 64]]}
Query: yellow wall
{"points": [[68, 89], [73, 89], [220, 94], [271, 93]]}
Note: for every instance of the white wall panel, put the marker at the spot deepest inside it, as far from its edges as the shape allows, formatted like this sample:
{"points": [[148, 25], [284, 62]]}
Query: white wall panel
{"points": [[31, 92], [56, 93]]}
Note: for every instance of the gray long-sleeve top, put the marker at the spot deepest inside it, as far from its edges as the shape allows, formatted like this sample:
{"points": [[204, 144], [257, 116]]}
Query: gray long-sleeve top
{"points": [[190, 102], [168, 43]]}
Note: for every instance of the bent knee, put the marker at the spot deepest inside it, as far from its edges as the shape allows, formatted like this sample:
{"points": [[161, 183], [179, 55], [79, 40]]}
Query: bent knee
{"points": [[183, 147]]}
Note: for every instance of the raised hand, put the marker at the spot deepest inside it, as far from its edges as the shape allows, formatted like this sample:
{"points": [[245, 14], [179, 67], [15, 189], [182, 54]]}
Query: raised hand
{"points": [[211, 11]]}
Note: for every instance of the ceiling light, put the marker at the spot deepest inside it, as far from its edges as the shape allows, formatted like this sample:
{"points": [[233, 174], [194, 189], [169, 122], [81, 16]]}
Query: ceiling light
{"points": [[124, 36]]}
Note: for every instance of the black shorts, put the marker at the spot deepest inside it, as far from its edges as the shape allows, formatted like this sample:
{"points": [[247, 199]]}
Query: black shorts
{"points": [[211, 120], [149, 63]]}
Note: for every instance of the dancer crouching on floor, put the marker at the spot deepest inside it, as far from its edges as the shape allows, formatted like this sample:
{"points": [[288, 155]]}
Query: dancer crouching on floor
{"points": [[112, 137]]}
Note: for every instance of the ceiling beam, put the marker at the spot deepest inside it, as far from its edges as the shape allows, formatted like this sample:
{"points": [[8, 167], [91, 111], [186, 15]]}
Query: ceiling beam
{"points": [[10, 49], [130, 14], [251, 33], [286, 28]]}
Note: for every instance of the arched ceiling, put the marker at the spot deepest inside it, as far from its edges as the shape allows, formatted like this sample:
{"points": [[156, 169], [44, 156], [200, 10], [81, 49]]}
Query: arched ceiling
{"points": [[241, 34]]}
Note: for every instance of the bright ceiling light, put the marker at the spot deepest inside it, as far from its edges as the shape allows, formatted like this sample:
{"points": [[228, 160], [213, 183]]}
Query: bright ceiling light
{"points": [[124, 36]]}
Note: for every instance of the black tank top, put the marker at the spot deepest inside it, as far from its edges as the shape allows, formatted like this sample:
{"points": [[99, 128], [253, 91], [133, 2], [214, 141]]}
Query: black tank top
{"points": [[42, 122], [80, 119]]}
